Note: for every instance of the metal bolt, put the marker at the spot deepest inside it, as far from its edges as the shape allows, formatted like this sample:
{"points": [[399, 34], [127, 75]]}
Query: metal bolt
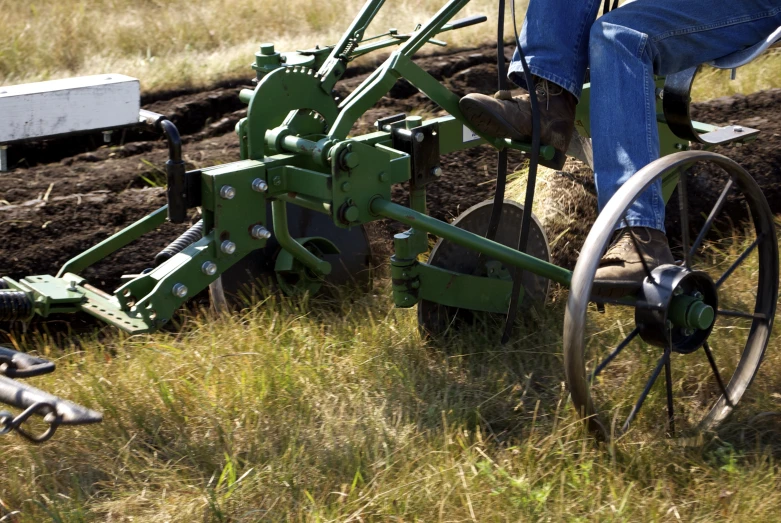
{"points": [[677, 291], [437, 171], [688, 332], [277, 180], [351, 214], [697, 295], [738, 129], [179, 290], [346, 186], [227, 192], [72, 286], [679, 146], [107, 136], [383, 177], [259, 185], [228, 247], [419, 137], [260, 233], [415, 284], [209, 268], [351, 160]]}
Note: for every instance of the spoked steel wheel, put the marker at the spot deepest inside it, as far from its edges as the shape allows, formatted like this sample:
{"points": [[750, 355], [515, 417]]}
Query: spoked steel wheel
{"points": [[704, 321]]}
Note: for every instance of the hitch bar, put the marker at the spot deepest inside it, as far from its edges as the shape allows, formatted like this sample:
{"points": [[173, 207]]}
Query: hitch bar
{"points": [[55, 411]]}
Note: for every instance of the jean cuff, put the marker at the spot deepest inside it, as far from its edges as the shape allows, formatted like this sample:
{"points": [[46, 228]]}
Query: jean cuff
{"points": [[515, 74], [642, 222]]}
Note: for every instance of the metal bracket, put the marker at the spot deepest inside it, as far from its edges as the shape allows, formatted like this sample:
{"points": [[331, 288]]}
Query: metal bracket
{"points": [[422, 144]]}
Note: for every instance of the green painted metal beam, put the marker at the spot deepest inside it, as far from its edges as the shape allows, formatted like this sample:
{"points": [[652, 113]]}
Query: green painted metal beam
{"points": [[114, 243], [470, 240]]}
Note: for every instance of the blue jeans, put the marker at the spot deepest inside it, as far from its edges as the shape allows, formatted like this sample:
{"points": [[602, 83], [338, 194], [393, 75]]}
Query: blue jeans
{"points": [[624, 49]]}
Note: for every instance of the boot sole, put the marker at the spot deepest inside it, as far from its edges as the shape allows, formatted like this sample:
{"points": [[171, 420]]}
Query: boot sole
{"points": [[493, 124]]}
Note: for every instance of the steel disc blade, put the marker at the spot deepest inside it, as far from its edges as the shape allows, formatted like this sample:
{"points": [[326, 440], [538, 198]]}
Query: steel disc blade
{"points": [[352, 266], [434, 318]]}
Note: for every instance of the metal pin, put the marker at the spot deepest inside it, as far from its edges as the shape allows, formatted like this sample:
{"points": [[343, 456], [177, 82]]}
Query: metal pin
{"points": [[179, 290]]}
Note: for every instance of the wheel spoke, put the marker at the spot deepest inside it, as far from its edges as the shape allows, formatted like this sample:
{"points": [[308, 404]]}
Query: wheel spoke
{"points": [[613, 354], [711, 217], [741, 314], [646, 390], [668, 379], [716, 373], [683, 205], [740, 260], [636, 243]]}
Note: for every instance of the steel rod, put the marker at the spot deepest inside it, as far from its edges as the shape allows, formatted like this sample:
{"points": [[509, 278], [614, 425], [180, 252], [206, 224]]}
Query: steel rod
{"points": [[470, 240]]}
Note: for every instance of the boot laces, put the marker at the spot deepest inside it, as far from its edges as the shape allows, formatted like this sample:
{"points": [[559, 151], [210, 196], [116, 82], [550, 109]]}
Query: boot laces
{"points": [[542, 88]]}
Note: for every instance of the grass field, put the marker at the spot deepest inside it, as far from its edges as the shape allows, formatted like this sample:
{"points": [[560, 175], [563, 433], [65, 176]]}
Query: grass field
{"points": [[338, 410], [175, 43]]}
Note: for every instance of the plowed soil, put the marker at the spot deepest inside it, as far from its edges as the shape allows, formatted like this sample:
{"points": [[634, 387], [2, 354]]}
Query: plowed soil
{"points": [[64, 196]]}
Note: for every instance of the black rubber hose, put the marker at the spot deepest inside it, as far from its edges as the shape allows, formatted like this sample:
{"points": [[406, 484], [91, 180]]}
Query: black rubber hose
{"points": [[531, 182], [190, 236], [14, 305], [501, 162]]}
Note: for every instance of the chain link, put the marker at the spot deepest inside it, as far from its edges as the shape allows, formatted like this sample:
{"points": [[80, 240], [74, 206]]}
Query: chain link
{"points": [[8, 422]]}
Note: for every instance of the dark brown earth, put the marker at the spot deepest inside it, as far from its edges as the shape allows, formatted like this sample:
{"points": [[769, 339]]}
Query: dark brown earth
{"points": [[66, 195]]}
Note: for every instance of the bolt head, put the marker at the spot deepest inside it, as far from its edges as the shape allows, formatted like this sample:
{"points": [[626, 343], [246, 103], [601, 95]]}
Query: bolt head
{"points": [[351, 160], [352, 213], [383, 177], [738, 129], [259, 185], [437, 171], [679, 146], [419, 137], [228, 247], [277, 180], [227, 192], [179, 290], [346, 186], [260, 233], [209, 268]]}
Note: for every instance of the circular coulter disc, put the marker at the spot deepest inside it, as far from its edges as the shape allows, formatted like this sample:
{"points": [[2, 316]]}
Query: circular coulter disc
{"points": [[352, 266], [434, 318]]}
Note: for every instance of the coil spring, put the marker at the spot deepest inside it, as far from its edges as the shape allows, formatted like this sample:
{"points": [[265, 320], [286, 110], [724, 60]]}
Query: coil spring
{"points": [[190, 236], [14, 305]]}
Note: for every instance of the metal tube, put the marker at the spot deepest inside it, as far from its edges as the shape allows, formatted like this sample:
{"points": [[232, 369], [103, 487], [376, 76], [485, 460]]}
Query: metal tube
{"points": [[470, 240], [287, 242], [306, 201]]}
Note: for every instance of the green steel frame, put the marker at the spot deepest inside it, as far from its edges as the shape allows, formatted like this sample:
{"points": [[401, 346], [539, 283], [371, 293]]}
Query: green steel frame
{"points": [[295, 138]]}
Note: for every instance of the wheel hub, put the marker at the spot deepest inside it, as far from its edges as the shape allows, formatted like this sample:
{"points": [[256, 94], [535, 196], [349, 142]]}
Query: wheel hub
{"points": [[680, 308]]}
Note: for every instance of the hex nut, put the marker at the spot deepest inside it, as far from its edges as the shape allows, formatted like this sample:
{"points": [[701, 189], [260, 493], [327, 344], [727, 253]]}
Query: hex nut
{"points": [[228, 247], [259, 185], [227, 192], [179, 290], [209, 268], [260, 233]]}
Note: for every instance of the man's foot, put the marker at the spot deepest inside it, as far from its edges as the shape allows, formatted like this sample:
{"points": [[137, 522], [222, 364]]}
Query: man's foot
{"points": [[505, 116], [621, 270]]}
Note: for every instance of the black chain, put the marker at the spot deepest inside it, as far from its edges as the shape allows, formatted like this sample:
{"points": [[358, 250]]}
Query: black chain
{"points": [[10, 423]]}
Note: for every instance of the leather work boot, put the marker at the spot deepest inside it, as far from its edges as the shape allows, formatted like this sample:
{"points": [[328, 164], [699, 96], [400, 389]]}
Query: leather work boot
{"points": [[621, 271], [506, 116]]}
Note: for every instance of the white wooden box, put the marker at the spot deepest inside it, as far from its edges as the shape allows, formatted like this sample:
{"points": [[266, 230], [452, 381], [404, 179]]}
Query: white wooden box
{"points": [[46, 109]]}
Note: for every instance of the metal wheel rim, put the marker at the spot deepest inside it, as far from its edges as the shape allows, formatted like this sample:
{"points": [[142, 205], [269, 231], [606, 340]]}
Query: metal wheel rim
{"points": [[597, 240]]}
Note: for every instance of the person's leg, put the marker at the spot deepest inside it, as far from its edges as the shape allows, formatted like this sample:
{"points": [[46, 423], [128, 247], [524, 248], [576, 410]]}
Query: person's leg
{"points": [[555, 41], [554, 38], [627, 47], [631, 44]]}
